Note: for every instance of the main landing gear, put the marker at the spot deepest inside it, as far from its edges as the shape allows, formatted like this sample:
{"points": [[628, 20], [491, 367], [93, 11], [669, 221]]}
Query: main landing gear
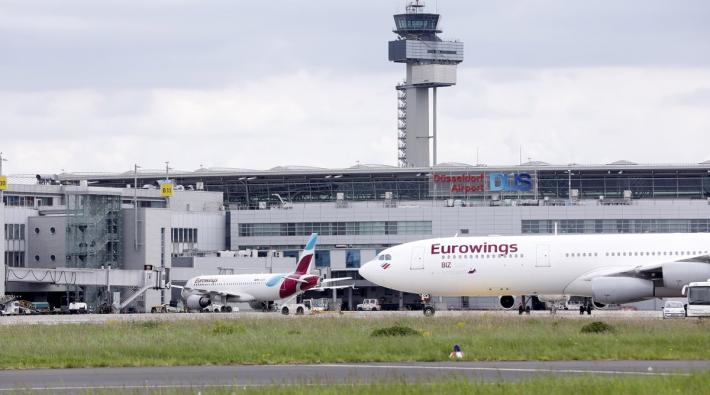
{"points": [[523, 306], [428, 308], [585, 307]]}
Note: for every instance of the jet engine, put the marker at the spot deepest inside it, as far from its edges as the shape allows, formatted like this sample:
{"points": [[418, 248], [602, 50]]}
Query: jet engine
{"points": [[507, 301], [608, 290], [678, 274], [197, 302]]}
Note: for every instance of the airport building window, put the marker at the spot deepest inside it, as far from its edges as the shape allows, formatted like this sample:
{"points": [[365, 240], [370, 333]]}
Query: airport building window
{"points": [[15, 258], [616, 226], [14, 231], [322, 258], [336, 228], [352, 259]]}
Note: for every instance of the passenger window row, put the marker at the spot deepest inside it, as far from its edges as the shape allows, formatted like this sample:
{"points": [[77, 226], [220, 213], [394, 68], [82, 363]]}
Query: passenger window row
{"points": [[634, 253], [482, 256]]}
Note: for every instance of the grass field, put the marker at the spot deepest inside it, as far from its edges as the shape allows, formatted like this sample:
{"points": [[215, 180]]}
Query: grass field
{"points": [[341, 339]]}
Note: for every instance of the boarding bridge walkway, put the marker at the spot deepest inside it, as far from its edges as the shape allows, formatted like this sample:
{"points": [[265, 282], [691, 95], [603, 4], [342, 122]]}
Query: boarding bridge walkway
{"points": [[141, 279]]}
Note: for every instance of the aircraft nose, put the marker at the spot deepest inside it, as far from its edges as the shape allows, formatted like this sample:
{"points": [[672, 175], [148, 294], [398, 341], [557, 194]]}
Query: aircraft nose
{"points": [[367, 270]]}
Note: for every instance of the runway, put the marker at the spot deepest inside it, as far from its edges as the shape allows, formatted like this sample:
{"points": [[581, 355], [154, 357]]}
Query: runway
{"points": [[78, 380]]}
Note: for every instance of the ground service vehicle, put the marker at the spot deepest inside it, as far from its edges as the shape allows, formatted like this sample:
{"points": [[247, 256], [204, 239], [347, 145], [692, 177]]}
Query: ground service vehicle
{"points": [[673, 309], [78, 308], [698, 294], [369, 305], [296, 308]]}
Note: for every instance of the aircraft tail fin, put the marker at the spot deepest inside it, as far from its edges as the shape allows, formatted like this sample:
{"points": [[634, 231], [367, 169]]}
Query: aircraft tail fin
{"points": [[308, 255]]}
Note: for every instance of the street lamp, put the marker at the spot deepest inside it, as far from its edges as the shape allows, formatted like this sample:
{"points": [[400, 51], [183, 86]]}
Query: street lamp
{"points": [[135, 206], [1, 191], [246, 186]]}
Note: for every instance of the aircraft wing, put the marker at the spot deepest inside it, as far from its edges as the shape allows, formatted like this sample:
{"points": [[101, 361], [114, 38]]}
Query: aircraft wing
{"points": [[323, 288], [241, 296], [641, 271], [332, 280]]}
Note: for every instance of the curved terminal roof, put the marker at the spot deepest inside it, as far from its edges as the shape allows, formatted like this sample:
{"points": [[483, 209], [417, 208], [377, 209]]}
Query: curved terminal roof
{"points": [[375, 169], [623, 162], [454, 164], [535, 163]]}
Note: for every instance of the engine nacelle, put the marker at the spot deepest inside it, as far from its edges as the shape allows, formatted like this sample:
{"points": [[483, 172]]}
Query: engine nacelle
{"points": [[507, 301], [678, 274], [608, 290], [197, 302]]}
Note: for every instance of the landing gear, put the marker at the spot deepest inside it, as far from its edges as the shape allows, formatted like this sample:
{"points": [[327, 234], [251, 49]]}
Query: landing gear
{"points": [[428, 309], [523, 307], [585, 308]]}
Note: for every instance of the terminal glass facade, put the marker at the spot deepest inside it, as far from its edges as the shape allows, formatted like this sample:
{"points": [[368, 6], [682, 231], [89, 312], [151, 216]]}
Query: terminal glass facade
{"points": [[616, 226], [94, 231], [336, 228], [258, 191]]}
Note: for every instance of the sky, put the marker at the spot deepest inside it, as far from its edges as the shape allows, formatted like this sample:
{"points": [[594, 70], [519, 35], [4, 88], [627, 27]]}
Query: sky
{"points": [[89, 86]]}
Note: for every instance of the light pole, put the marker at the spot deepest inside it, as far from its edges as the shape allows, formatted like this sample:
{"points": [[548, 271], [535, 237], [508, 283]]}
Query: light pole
{"points": [[135, 206], [1, 191], [569, 186], [246, 186]]}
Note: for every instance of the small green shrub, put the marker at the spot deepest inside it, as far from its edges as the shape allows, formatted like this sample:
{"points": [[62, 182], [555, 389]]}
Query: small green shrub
{"points": [[224, 328], [148, 324], [597, 327], [397, 330]]}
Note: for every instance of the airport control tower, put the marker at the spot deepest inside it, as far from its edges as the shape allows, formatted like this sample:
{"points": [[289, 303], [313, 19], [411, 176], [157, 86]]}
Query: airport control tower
{"points": [[431, 63]]}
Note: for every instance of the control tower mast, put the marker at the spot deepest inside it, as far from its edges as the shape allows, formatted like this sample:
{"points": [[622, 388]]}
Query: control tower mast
{"points": [[431, 63]]}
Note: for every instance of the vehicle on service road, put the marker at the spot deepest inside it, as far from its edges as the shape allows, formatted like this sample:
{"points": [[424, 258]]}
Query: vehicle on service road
{"points": [[698, 294], [296, 308], [673, 309], [369, 305], [78, 308], [609, 269]]}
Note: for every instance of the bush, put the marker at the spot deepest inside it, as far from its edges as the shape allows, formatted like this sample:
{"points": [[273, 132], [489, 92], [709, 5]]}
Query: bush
{"points": [[396, 330], [597, 327], [223, 328]]}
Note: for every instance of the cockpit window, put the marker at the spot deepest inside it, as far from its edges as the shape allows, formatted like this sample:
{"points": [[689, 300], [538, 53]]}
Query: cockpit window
{"points": [[384, 257], [388, 257]]}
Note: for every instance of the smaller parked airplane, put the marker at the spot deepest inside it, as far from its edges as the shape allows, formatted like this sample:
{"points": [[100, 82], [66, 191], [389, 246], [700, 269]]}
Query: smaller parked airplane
{"points": [[259, 290]]}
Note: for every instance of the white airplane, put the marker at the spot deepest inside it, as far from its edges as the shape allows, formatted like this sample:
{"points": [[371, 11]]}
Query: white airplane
{"points": [[258, 289], [617, 268]]}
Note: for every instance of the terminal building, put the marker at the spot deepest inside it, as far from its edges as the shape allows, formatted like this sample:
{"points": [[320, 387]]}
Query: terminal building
{"points": [[359, 211]]}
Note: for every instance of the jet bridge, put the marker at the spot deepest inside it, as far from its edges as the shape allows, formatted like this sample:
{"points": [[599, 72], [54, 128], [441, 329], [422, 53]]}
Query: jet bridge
{"points": [[143, 280]]}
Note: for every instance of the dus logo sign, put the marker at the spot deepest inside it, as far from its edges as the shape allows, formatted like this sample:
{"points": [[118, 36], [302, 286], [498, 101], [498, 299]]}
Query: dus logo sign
{"points": [[506, 182]]}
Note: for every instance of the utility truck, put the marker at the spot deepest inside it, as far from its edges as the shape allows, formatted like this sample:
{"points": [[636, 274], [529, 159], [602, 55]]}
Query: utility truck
{"points": [[698, 299], [369, 305]]}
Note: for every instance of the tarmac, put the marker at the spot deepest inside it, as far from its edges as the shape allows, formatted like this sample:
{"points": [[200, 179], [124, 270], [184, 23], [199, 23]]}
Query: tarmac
{"points": [[104, 318], [245, 376]]}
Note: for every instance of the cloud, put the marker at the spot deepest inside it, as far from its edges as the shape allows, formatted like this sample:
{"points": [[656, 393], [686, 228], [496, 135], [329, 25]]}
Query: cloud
{"points": [[592, 115]]}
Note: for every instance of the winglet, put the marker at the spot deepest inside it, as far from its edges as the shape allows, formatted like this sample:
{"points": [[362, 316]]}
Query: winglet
{"points": [[311, 242]]}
